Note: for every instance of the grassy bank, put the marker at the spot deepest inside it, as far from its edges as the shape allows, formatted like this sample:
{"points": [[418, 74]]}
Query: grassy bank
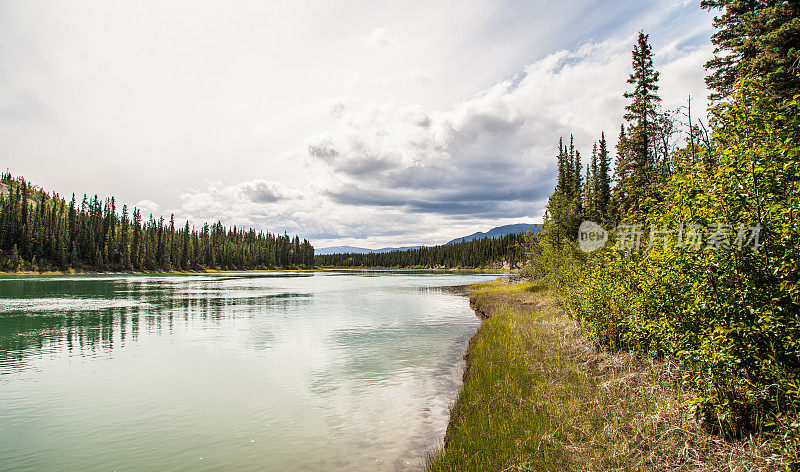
{"points": [[538, 396], [467, 270]]}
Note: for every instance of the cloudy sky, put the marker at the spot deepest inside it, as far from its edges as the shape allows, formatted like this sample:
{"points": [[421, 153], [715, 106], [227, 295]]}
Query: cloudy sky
{"points": [[347, 122]]}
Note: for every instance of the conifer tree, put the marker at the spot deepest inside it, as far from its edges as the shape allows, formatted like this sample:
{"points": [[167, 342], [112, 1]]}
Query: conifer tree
{"points": [[137, 249], [571, 168], [593, 186], [577, 179], [603, 179], [124, 244], [588, 194], [755, 38], [561, 184], [638, 177], [566, 204], [185, 247], [619, 198], [641, 111]]}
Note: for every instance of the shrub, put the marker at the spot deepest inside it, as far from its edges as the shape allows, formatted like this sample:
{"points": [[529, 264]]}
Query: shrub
{"points": [[728, 316]]}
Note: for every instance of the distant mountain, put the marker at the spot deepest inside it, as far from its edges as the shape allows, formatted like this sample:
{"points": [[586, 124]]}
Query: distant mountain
{"points": [[358, 250], [492, 233], [341, 250], [392, 249], [500, 231]]}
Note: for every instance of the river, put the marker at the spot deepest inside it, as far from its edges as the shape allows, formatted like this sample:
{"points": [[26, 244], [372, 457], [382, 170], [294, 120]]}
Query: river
{"points": [[283, 371]]}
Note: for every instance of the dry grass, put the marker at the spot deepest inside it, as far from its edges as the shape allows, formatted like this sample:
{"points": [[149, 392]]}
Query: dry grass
{"points": [[539, 396]]}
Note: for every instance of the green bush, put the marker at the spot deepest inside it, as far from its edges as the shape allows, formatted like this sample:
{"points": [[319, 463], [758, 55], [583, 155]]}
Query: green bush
{"points": [[728, 316]]}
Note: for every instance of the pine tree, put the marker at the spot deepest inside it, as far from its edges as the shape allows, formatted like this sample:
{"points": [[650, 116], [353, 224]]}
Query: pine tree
{"points": [[641, 111], [185, 246], [755, 38], [23, 227], [593, 186], [619, 198], [603, 197], [571, 168], [561, 185], [636, 158], [171, 249], [565, 206], [136, 249], [588, 210], [577, 191]]}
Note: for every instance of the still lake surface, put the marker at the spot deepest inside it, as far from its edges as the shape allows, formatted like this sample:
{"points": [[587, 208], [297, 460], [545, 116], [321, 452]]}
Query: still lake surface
{"points": [[347, 370]]}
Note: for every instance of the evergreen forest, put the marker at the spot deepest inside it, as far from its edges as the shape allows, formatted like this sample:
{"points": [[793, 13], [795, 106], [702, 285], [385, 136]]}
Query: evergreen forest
{"points": [[42, 232], [503, 252]]}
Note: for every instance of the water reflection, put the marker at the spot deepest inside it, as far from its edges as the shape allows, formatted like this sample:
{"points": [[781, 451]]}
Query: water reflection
{"points": [[281, 371], [91, 314]]}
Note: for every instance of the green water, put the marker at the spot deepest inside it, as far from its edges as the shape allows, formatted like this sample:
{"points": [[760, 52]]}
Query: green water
{"points": [[275, 371]]}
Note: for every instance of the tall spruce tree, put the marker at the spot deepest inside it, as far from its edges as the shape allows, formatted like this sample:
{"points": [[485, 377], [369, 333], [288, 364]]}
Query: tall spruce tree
{"points": [[619, 196], [592, 186], [641, 112], [588, 194], [755, 38], [565, 208], [570, 168], [561, 158], [577, 189], [603, 179], [124, 244], [637, 158]]}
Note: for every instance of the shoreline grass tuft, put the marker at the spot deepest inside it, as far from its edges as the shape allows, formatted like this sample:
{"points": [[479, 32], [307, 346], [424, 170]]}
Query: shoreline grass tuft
{"points": [[538, 395]]}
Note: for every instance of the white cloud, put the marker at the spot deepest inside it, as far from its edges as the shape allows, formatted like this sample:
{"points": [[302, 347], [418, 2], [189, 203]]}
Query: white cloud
{"points": [[394, 171], [406, 123], [244, 203], [147, 207], [379, 38], [490, 154]]}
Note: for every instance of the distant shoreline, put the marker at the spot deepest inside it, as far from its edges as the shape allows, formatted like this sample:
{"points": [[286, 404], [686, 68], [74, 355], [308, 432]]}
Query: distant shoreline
{"points": [[424, 269], [234, 271], [154, 272]]}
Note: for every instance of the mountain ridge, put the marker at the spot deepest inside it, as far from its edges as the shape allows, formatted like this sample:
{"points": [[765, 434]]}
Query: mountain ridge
{"points": [[495, 232], [500, 231]]}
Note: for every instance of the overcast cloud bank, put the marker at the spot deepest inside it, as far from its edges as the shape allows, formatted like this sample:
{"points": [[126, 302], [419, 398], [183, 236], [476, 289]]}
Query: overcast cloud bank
{"points": [[390, 128]]}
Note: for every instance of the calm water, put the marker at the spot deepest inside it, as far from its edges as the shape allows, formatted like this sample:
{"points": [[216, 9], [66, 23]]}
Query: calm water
{"points": [[278, 371]]}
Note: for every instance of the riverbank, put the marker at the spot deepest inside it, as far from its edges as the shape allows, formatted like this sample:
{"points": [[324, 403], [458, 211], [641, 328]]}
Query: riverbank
{"points": [[537, 395], [245, 271], [428, 269], [153, 272]]}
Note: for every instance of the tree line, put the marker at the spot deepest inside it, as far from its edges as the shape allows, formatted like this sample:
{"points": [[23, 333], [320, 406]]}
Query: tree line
{"points": [[645, 155], [725, 308], [41, 231], [508, 251]]}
